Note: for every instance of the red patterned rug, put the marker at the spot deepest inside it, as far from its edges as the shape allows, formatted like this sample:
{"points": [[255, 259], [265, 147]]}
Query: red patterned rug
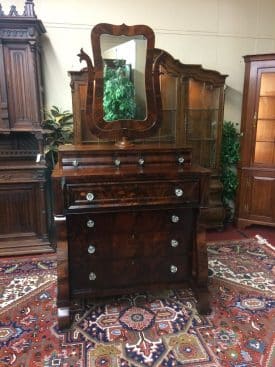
{"points": [[145, 330]]}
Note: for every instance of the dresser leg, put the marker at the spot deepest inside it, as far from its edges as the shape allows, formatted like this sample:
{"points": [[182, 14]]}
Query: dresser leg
{"points": [[203, 305], [63, 316]]}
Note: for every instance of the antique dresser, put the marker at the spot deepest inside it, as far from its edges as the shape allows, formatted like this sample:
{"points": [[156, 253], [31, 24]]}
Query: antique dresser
{"points": [[126, 212]]}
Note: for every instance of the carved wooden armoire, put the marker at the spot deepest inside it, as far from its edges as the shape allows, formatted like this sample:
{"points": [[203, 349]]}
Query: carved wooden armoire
{"points": [[23, 218], [192, 114], [256, 193], [127, 211]]}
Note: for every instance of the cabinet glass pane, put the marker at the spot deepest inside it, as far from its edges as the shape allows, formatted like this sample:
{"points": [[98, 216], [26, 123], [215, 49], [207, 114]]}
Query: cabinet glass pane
{"points": [[203, 95], [265, 128], [202, 124]]}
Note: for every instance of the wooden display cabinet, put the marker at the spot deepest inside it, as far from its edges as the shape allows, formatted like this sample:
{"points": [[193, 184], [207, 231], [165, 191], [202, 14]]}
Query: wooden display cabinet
{"points": [[24, 213], [256, 194]]}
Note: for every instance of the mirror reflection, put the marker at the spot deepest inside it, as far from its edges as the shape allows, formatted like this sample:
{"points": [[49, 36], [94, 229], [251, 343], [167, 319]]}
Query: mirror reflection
{"points": [[124, 94]]}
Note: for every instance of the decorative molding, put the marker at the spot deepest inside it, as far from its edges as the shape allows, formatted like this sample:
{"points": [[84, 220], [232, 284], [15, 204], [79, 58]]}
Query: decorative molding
{"points": [[28, 11]]}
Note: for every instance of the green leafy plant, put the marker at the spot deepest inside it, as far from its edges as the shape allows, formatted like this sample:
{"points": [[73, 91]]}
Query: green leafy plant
{"points": [[119, 93], [230, 155], [58, 127]]}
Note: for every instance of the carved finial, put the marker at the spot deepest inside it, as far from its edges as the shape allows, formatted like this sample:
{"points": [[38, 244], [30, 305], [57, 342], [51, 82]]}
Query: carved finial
{"points": [[13, 12], [29, 9], [83, 56], [1, 11]]}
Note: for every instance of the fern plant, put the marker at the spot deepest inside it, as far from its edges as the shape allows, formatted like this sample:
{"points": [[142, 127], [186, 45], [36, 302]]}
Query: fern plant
{"points": [[58, 127], [230, 155]]}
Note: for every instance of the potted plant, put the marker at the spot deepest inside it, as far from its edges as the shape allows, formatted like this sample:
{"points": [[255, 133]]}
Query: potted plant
{"points": [[58, 127]]}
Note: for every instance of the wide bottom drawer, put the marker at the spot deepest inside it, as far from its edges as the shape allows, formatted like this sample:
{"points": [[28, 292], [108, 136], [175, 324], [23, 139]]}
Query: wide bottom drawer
{"points": [[127, 273]]}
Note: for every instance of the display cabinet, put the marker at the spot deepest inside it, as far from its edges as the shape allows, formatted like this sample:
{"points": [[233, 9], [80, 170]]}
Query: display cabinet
{"points": [[23, 176], [256, 193]]}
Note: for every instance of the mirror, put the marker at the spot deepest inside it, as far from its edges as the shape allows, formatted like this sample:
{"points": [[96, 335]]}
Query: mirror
{"points": [[123, 95]]}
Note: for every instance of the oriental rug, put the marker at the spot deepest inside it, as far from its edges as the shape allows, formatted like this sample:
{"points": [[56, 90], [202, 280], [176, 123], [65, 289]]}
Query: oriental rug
{"points": [[148, 330]]}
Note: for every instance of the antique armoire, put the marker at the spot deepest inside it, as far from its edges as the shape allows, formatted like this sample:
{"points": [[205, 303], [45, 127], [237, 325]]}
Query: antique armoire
{"points": [[23, 218], [127, 203]]}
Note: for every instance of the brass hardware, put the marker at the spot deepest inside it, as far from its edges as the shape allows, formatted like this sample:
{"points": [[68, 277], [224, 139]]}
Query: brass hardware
{"points": [[179, 192], [117, 162], [175, 218], [90, 196], [90, 223], [173, 269], [91, 249], [174, 243], [92, 276]]}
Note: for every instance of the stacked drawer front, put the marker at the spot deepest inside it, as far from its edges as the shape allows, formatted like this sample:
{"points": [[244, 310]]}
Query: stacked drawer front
{"points": [[114, 249]]}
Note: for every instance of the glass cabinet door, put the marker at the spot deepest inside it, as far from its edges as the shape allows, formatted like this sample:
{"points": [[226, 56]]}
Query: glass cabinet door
{"points": [[264, 120], [202, 117]]}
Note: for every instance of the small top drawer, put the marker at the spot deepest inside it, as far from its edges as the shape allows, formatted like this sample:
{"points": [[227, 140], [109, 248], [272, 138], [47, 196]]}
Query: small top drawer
{"points": [[132, 193]]}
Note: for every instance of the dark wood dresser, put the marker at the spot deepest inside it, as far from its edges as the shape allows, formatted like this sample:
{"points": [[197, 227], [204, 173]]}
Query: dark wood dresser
{"points": [[127, 221], [127, 213]]}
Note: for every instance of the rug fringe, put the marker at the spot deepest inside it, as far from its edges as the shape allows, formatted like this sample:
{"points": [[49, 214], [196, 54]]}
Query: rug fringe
{"points": [[263, 241]]}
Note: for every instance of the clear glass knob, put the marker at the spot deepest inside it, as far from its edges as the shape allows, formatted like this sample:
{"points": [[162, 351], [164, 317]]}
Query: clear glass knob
{"points": [[75, 163], [92, 276], [90, 196], [175, 218], [179, 192], [173, 269], [90, 223], [117, 162], [174, 243], [91, 249], [141, 161], [181, 160]]}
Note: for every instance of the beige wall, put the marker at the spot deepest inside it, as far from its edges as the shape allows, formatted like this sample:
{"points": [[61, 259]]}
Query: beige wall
{"points": [[214, 33]]}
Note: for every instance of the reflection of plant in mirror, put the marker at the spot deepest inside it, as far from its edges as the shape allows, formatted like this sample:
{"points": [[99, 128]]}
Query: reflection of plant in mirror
{"points": [[230, 156], [58, 127], [119, 93]]}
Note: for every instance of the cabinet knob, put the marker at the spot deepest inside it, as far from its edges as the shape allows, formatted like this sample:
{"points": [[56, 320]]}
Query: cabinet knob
{"points": [[75, 163], [174, 243], [175, 218], [90, 223], [91, 249], [141, 161], [173, 269], [178, 192], [117, 162], [180, 159], [92, 276], [90, 196]]}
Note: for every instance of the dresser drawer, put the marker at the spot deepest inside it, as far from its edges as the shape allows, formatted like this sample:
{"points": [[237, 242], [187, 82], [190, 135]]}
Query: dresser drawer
{"points": [[91, 276], [87, 226], [123, 245], [132, 193]]}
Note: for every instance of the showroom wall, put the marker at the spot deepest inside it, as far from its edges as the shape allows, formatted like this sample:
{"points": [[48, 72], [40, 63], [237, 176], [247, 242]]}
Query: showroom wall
{"points": [[214, 33]]}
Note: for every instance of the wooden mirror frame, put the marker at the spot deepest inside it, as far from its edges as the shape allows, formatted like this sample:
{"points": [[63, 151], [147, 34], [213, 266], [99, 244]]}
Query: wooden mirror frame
{"points": [[121, 131]]}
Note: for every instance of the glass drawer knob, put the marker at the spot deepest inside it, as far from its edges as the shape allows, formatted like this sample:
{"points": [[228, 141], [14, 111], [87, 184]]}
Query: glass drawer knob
{"points": [[91, 249], [181, 160], [90, 223], [179, 192], [117, 162], [175, 218], [141, 161], [92, 276], [90, 196], [173, 269], [75, 163], [174, 243]]}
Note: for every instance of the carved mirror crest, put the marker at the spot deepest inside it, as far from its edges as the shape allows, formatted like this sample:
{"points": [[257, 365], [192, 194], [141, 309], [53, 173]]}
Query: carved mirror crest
{"points": [[123, 96]]}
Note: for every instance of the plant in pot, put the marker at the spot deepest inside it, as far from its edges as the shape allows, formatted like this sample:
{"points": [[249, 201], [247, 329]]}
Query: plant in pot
{"points": [[230, 155], [58, 130]]}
